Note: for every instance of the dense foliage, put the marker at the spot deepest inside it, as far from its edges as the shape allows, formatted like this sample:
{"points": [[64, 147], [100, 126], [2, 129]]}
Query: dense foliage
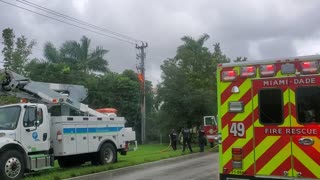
{"points": [[188, 90]]}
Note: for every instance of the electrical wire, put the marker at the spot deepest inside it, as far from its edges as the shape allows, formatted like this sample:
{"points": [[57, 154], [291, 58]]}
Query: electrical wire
{"points": [[71, 24], [28, 3]]}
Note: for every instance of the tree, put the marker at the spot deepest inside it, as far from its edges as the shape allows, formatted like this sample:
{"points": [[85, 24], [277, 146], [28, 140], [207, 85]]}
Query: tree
{"points": [[218, 56], [186, 93], [16, 52], [79, 56]]}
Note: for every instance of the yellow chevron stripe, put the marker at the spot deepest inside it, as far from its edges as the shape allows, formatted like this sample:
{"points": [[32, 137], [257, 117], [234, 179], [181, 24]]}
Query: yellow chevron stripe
{"points": [[294, 121], [306, 160], [276, 160], [244, 87], [286, 96], [267, 142], [224, 86], [292, 95], [240, 142]]}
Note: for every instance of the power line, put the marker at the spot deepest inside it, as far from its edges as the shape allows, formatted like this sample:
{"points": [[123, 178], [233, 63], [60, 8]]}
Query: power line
{"points": [[28, 3], [71, 24]]}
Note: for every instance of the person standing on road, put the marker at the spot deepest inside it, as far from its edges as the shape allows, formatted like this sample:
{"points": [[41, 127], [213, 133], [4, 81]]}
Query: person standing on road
{"points": [[173, 138], [202, 139], [186, 139]]}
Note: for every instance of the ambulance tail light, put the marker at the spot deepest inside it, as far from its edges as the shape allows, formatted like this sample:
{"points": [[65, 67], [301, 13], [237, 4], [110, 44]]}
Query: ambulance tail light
{"points": [[249, 71], [237, 157], [267, 70], [229, 75], [309, 67], [59, 136]]}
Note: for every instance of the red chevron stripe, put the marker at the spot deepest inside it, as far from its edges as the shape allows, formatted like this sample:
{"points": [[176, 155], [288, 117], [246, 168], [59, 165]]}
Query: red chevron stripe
{"points": [[226, 119], [299, 167], [271, 152], [285, 166], [226, 143]]}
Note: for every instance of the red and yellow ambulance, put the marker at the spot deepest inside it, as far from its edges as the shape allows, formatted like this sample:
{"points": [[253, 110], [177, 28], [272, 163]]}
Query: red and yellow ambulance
{"points": [[269, 119]]}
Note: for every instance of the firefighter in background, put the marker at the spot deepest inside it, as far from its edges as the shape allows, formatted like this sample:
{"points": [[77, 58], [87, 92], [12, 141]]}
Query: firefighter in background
{"points": [[202, 139], [173, 139], [186, 139]]}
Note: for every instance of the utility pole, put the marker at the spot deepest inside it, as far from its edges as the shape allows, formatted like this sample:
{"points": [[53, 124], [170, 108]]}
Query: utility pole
{"points": [[141, 55]]}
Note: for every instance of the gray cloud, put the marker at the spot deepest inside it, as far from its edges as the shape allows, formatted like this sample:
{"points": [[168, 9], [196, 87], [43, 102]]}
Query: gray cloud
{"points": [[255, 29]]}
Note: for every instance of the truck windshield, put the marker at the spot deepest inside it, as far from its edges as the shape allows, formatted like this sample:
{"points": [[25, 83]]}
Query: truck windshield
{"points": [[9, 117]]}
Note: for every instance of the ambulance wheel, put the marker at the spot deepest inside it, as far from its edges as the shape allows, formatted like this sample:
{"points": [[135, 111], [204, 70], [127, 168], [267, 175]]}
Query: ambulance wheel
{"points": [[12, 165], [107, 154]]}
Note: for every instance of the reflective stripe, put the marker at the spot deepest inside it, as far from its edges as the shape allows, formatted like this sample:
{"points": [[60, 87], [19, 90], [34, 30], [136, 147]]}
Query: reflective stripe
{"points": [[91, 130]]}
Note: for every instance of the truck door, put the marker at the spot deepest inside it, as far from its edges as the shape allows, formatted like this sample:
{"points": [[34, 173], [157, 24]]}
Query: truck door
{"points": [[35, 138], [271, 118], [305, 122]]}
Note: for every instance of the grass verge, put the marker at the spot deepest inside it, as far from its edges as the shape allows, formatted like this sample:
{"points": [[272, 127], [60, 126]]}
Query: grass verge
{"points": [[144, 154]]}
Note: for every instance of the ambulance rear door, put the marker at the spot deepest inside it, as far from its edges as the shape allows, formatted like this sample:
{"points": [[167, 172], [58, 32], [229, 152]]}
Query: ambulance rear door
{"points": [[271, 116]]}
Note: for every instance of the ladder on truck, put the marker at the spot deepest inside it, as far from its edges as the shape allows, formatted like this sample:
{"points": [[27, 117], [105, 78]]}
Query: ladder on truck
{"points": [[52, 94]]}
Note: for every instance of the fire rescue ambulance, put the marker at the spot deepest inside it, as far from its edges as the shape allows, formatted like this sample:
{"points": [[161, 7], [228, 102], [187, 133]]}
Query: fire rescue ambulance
{"points": [[269, 119]]}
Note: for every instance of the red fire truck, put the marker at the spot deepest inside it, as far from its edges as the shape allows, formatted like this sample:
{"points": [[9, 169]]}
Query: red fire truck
{"points": [[269, 119], [210, 129]]}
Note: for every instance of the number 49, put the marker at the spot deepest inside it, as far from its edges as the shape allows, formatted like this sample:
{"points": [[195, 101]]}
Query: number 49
{"points": [[237, 129]]}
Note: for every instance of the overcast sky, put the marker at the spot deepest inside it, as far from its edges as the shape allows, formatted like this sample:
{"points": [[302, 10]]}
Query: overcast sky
{"points": [[257, 29]]}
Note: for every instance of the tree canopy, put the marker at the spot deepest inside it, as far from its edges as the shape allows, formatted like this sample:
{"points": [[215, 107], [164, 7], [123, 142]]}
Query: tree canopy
{"points": [[188, 90]]}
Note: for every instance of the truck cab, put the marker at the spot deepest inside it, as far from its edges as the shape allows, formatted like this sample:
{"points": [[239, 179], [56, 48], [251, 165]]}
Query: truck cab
{"points": [[24, 134]]}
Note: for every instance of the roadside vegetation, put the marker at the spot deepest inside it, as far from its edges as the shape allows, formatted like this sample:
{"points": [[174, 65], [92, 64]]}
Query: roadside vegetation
{"points": [[144, 154]]}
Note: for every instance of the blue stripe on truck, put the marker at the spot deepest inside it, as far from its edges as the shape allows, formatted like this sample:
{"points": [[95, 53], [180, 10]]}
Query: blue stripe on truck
{"points": [[91, 130]]}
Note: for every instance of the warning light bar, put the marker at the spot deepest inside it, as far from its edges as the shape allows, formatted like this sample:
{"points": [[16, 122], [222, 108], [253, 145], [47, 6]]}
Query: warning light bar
{"points": [[309, 67], [249, 71], [267, 70], [229, 75]]}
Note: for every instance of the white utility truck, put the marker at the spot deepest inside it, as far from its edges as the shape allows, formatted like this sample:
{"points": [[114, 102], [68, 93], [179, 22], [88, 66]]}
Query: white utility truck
{"points": [[55, 126]]}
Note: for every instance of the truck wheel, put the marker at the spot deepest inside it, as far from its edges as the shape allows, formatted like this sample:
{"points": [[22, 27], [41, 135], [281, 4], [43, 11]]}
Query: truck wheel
{"points": [[107, 154], [12, 165]]}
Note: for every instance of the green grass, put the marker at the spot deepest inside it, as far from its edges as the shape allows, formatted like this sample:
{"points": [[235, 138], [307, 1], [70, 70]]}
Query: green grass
{"points": [[144, 154]]}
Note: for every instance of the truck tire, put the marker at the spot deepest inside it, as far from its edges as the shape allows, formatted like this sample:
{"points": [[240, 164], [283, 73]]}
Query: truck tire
{"points": [[107, 154], [12, 165]]}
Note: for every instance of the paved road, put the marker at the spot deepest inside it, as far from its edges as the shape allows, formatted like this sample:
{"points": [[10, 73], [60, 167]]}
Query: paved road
{"points": [[197, 166]]}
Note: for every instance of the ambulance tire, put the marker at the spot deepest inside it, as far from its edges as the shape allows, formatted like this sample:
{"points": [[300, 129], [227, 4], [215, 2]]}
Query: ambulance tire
{"points": [[107, 154], [12, 165]]}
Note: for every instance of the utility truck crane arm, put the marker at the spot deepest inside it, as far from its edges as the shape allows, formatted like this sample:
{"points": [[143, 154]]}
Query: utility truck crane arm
{"points": [[67, 95]]}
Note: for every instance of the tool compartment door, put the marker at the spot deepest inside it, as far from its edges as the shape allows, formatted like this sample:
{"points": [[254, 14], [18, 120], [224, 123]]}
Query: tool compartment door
{"points": [[305, 110], [272, 147]]}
